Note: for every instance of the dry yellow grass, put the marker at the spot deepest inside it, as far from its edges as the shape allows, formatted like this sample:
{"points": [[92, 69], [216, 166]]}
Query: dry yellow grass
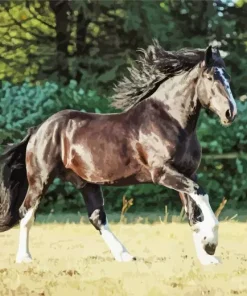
{"points": [[71, 259]]}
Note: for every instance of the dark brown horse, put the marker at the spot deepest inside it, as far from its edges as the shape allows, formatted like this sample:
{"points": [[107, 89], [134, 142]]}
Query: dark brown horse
{"points": [[153, 141]]}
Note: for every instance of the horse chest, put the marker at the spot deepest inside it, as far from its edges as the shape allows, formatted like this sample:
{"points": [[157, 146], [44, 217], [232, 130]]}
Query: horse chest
{"points": [[187, 157], [184, 155]]}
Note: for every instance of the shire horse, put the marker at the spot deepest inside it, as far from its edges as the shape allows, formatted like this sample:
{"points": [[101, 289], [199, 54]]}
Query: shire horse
{"points": [[153, 140]]}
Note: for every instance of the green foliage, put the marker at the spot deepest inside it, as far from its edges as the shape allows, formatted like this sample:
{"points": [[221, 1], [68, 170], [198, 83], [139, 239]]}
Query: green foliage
{"points": [[26, 105], [101, 39], [224, 176], [23, 106], [110, 32]]}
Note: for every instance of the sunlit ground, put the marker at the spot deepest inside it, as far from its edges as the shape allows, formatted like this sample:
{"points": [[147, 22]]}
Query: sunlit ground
{"points": [[72, 259]]}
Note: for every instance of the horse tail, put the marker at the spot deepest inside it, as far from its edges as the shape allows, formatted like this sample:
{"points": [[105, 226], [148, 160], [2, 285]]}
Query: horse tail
{"points": [[13, 182]]}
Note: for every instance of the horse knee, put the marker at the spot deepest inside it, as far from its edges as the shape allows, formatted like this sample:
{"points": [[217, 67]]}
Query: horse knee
{"points": [[27, 218], [22, 211], [98, 218], [28, 204]]}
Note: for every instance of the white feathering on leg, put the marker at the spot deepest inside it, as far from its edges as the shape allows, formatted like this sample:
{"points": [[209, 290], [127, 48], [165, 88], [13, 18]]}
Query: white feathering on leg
{"points": [[203, 257], [23, 254], [117, 249], [205, 232]]}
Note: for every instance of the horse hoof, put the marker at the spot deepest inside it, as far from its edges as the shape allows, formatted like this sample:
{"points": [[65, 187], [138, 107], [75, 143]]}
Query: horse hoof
{"points": [[24, 259], [209, 260], [125, 257]]}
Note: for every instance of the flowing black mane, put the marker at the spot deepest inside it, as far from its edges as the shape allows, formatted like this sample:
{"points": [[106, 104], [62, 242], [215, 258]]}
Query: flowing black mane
{"points": [[154, 67]]}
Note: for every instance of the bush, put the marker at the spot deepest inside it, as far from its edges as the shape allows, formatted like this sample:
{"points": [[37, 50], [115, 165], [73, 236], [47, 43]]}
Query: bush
{"points": [[28, 105], [23, 106]]}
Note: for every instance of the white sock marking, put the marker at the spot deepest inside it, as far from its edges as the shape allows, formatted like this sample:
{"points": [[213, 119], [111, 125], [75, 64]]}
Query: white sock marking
{"points": [[23, 254], [203, 202], [203, 257], [205, 232], [118, 250]]}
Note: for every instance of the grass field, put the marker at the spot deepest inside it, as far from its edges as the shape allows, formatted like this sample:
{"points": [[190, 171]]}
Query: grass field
{"points": [[71, 259]]}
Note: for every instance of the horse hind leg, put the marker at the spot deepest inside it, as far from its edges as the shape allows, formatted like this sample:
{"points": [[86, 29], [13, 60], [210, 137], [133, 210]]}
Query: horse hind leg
{"points": [[23, 254], [94, 201], [36, 190]]}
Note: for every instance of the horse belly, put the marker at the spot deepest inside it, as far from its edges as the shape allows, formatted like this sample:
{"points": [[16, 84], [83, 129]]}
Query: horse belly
{"points": [[101, 167]]}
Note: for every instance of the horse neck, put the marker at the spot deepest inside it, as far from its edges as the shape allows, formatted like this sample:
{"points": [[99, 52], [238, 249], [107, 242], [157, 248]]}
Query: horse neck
{"points": [[179, 96]]}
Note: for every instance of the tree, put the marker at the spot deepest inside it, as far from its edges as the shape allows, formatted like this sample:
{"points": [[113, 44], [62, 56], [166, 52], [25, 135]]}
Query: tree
{"points": [[62, 11], [90, 44]]}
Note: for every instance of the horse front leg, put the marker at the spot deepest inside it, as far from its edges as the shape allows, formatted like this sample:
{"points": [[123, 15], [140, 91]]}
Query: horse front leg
{"points": [[205, 231], [94, 201], [193, 212]]}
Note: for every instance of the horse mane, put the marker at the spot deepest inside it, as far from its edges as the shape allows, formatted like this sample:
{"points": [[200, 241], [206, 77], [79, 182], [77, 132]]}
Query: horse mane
{"points": [[154, 67]]}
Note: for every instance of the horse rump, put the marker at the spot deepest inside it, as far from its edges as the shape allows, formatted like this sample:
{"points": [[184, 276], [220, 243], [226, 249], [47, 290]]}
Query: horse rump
{"points": [[13, 182]]}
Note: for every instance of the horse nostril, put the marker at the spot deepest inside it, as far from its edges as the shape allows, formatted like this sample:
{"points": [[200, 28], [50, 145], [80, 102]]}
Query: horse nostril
{"points": [[228, 114]]}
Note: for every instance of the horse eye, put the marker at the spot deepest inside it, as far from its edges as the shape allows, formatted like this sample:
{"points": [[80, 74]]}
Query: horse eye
{"points": [[210, 78]]}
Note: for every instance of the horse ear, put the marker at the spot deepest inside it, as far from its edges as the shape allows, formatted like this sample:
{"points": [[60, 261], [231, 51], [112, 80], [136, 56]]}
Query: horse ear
{"points": [[208, 56]]}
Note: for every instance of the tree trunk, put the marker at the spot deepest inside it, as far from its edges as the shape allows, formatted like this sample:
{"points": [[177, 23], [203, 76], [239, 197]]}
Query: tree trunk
{"points": [[81, 46], [61, 10]]}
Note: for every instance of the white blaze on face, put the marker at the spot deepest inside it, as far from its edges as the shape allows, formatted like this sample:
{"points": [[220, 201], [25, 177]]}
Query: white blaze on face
{"points": [[226, 84], [23, 254]]}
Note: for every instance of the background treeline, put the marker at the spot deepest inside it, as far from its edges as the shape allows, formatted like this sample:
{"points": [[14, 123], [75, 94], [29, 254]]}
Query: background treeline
{"points": [[62, 54]]}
